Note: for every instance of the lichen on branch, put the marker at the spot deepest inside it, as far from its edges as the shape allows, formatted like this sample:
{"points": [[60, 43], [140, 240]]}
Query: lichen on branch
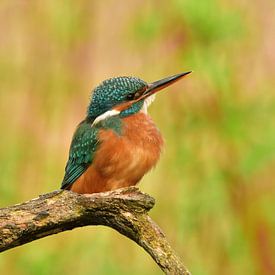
{"points": [[125, 210]]}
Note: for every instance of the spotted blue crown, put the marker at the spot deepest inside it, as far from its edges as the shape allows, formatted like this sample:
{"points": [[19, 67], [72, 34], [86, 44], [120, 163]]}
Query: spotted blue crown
{"points": [[113, 92]]}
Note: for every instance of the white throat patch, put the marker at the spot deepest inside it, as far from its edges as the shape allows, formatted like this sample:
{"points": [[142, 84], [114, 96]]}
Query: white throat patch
{"points": [[105, 115], [147, 102]]}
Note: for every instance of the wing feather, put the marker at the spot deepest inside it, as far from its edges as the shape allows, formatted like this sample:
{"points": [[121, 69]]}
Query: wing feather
{"points": [[81, 154]]}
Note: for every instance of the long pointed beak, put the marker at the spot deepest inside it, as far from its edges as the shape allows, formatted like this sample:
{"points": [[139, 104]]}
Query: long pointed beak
{"points": [[163, 83], [153, 88]]}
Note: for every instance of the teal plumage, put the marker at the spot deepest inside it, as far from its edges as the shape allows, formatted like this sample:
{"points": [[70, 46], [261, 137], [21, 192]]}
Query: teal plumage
{"points": [[84, 145], [81, 153], [112, 92], [113, 103], [109, 93]]}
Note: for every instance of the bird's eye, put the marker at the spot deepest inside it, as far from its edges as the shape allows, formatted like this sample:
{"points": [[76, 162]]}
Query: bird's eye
{"points": [[130, 96], [137, 94]]}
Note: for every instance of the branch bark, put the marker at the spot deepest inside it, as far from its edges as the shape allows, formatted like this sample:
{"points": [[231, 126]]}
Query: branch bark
{"points": [[124, 210]]}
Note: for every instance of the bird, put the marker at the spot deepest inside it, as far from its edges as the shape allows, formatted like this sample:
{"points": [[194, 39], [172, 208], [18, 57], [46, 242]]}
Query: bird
{"points": [[118, 142]]}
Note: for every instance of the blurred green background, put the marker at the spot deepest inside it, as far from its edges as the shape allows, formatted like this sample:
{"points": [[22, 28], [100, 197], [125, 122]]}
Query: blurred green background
{"points": [[214, 185]]}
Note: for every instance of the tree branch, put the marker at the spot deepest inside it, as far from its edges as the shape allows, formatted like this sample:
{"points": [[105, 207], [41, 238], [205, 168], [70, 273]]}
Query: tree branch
{"points": [[125, 210]]}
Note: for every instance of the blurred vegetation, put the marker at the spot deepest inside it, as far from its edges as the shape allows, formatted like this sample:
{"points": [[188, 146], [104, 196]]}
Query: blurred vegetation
{"points": [[214, 185]]}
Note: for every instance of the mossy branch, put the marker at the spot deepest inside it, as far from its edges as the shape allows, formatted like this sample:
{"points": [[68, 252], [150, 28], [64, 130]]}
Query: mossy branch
{"points": [[124, 210]]}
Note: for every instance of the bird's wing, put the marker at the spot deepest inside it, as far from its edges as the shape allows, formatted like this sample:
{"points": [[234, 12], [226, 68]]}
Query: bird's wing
{"points": [[81, 154]]}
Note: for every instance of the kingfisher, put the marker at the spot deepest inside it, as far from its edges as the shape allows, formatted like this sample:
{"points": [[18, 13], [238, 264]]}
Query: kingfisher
{"points": [[117, 143]]}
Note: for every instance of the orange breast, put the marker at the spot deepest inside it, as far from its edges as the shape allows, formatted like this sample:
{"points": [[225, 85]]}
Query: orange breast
{"points": [[123, 160]]}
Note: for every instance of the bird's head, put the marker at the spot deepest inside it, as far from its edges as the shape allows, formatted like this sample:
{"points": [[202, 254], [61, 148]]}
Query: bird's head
{"points": [[125, 96]]}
